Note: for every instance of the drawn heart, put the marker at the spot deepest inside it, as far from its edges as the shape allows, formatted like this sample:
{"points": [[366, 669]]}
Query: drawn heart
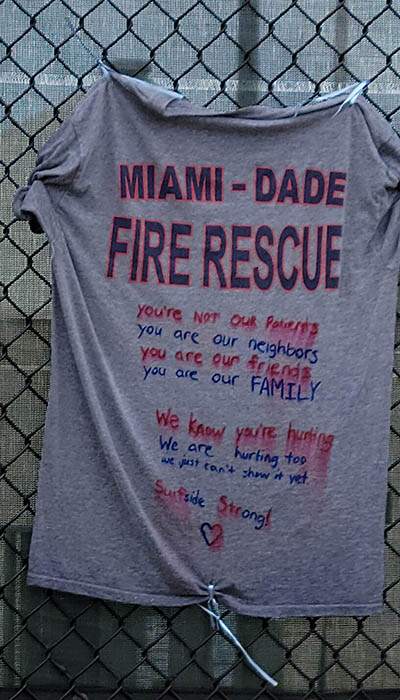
{"points": [[211, 533]]}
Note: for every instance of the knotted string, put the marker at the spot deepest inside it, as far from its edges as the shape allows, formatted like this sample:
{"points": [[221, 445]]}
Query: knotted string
{"points": [[104, 69], [218, 623], [213, 605], [356, 90], [355, 93]]}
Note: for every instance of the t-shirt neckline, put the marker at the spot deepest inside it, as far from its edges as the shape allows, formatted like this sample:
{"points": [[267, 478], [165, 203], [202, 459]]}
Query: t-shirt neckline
{"points": [[170, 102]]}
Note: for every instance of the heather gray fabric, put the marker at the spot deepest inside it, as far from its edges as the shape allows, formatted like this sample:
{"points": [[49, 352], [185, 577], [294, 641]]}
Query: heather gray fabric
{"points": [[224, 288]]}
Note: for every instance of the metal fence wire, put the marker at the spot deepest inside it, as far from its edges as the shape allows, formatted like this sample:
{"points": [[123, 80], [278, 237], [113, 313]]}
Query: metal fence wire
{"points": [[219, 53]]}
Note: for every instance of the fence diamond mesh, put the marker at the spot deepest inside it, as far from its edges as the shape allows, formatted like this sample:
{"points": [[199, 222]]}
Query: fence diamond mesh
{"points": [[220, 54]]}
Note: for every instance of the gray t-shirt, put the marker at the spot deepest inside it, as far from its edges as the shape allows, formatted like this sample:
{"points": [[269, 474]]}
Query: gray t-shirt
{"points": [[224, 288]]}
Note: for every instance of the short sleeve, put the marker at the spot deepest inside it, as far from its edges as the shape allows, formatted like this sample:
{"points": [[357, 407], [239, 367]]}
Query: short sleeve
{"points": [[57, 163], [383, 180], [390, 223], [390, 154]]}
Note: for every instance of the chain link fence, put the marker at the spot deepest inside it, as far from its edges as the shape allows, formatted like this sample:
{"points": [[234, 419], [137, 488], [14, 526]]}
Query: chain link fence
{"points": [[219, 53]]}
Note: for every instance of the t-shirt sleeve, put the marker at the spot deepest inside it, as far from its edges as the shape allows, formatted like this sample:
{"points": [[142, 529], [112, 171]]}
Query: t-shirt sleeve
{"points": [[378, 158], [389, 152], [57, 163]]}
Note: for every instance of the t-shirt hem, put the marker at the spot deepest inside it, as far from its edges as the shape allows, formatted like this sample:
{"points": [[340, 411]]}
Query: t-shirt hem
{"points": [[275, 611]]}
